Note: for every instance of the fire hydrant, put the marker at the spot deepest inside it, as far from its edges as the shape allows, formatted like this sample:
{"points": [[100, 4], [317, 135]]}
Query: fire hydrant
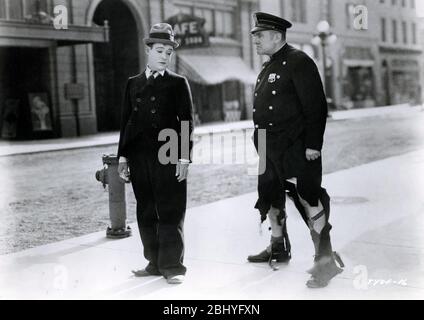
{"points": [[117, 205]]}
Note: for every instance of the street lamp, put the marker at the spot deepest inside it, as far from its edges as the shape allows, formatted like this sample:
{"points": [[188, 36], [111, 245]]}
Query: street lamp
{"points": [[324, 38]]}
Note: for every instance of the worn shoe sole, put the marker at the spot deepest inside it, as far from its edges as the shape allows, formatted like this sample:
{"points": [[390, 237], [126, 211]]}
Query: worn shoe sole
{"points": [[316, 283], [144, 273], [175, 279], [279, 260]]}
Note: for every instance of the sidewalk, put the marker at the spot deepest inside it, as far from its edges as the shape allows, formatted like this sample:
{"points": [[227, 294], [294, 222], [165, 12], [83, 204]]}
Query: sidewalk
{"points": [[401, 109], [378, 228], [103, 139]]}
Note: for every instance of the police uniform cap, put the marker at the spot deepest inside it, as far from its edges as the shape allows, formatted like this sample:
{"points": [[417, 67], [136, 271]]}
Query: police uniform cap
{"points": [[265, 21]]}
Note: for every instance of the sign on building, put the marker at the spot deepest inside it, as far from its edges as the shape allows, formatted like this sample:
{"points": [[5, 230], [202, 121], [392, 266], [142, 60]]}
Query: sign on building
{"points": [[189, 30]]}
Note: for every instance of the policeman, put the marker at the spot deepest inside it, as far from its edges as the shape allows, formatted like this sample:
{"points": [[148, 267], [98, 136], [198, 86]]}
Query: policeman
{"points": [[155, 100], [290, 104]]}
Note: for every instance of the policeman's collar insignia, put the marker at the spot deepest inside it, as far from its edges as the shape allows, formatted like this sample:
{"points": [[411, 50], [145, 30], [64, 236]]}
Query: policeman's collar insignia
{"points": [[271, 78]]}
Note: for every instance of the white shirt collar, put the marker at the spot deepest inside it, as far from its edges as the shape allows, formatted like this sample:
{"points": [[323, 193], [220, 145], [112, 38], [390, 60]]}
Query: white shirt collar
{"points": [[149, 72]]}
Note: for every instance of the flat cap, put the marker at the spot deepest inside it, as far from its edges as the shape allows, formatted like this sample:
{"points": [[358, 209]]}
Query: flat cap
{"points": [[265, 21]]}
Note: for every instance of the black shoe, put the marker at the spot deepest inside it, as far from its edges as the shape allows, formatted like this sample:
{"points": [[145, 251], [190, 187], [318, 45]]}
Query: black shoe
{"points": [[146, 273], [265, 256]]}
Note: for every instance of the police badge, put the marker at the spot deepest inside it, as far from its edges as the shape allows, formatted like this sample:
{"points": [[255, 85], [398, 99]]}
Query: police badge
{"points": [[271, 78]]}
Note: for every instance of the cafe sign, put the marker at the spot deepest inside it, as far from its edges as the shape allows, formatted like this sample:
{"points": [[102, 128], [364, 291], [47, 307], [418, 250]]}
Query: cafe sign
{"points": [[189, 30]]}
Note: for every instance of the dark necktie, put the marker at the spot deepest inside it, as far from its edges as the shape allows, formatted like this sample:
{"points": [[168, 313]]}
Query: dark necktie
{"points": [[151, 78]]}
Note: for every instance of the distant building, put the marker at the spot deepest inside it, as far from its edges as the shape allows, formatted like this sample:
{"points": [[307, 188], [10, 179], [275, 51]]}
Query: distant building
{"points": [[80, 73], [400, 51], [376, 66]]}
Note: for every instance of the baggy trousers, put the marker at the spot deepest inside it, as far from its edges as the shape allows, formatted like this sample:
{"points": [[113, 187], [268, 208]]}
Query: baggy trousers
{"points": [[161, 206]]}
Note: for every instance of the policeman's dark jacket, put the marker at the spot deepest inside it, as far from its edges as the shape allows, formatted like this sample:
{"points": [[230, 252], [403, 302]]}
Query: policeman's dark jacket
{"points": [[150, 106], [290, 103]]}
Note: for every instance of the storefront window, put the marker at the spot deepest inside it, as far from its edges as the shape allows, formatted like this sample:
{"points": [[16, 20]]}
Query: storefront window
{"points": [[406, 87], [359, 87]]}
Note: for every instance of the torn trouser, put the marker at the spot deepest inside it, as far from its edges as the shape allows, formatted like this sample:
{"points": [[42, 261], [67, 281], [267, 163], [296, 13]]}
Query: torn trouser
{"points": [[325, 267], [272, 196]]}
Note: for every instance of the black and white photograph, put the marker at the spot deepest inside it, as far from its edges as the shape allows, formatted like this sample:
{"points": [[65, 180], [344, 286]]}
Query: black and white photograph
{"points": [[211, 155]]}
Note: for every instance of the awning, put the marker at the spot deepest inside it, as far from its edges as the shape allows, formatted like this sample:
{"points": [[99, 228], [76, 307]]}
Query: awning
{"points": [[17, 32], [214, 69], [358, 63]]}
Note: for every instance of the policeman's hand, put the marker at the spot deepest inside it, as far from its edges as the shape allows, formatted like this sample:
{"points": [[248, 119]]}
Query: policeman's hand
{"points": [[312, 154], [123, 170], [182, 171]]}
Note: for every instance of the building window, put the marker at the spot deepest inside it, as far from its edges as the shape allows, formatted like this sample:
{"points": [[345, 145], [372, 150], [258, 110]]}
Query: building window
{"points": [[229, 24], [383, 30], [218, 22], [330, 13], [3, 9], [394, 2], [15, 10], [395, 31], [405, 32], [206, 14], [224, 24], [414, 33], [413, 4], [33, 6], [298, 9], [350, 15], [21, 9], [403, 3]]}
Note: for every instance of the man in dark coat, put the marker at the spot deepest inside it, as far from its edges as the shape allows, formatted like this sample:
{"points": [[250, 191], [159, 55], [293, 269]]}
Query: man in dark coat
{"points": [[290, 104], [158, 103]]}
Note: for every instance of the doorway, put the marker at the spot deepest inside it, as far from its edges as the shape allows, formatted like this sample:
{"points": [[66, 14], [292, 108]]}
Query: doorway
{"points": [[114, 62]]}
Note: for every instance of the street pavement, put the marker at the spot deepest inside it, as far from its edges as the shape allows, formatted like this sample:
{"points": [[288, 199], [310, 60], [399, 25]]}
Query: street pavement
{"points": [[8, 148], [378, 228]]}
